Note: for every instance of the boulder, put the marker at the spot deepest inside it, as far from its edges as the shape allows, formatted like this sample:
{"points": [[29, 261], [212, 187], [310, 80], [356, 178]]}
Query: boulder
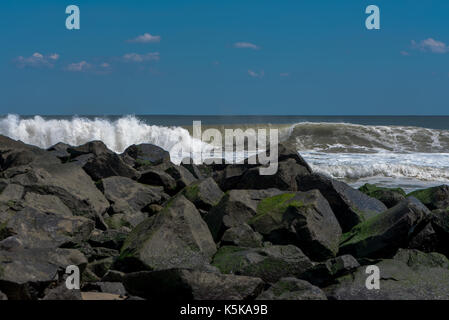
{"points": [[157, 177], [106, 287], [35, 229], [182, 176], [69, 183], [304, 219], [242, 236], [18, 154], [283, 179], [104, 163], [323, 274], [270, 263], [410, 275], [61, 292], [349, 205], [112, 239], [388, 196], [3, 296], [26, 273], [146, 155], [173, 238], [130, 198], [383, 234], [235, 208], [59, 150], [48, 204], [203, 193], [183, 284], [433, 198], [292, 289]]}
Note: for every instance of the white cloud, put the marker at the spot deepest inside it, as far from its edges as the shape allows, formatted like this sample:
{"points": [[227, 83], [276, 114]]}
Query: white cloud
{"points": [[135, 57], [78, 67], [246, 45], [146, 38], [431, 45], [37, 60], [255, 74]]}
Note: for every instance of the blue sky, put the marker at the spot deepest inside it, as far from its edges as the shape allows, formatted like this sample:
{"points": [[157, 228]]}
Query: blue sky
{"points": [[224, 57]]}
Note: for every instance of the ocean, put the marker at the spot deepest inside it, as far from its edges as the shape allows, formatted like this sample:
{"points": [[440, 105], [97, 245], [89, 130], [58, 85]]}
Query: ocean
{"points": [[411, 152]]}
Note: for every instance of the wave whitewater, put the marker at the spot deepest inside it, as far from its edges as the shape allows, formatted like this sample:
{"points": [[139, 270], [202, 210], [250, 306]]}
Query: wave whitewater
{"points": [[340, 150]]}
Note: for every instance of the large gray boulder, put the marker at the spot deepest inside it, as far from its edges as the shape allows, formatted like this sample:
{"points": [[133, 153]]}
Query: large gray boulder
{"points": [[143, 155], [129, 198], [292, 289], [35, 229], [410, 275], [69, 183], [382, 235], [269, 263], [235, 208], [203, 193], [433, 198], [304, 219], [102, 163], [183, 284], [176, 237], [349, 205], [26, 273]]}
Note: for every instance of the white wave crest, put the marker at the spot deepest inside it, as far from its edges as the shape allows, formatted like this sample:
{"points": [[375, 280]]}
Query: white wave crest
{"points": [[117, 135]]}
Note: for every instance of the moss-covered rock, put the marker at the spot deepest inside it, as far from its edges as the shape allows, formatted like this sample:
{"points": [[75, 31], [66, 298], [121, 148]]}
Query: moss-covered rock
{"points": [[203, 193], [175, 237], [383, 234], [304, 219], [433, 198], [269, 263], [389, 196]]}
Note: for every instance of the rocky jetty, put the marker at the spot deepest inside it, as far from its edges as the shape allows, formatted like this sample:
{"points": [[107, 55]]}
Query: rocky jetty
{"points": [[140, 227]]}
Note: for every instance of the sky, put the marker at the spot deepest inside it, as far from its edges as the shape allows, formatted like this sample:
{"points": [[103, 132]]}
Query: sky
{"points": [[228, 57]]}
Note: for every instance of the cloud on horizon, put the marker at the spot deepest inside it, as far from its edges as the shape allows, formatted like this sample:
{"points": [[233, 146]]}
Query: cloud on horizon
{"points": [[145, 38], [246, 45], [135, 57], [431, 45], [79, 67], [255, 74], [37, 60]]}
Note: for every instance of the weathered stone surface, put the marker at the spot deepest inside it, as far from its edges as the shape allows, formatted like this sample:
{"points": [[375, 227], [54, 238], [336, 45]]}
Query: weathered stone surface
{"points": [[283, 179], [175, 237], [35, 229], [269, 263], [242, 236], [112, 239], [183, 284], [182, 176], [69, 183], [324, 273], [388, 196], [48, 204], [383, 234], [235, 208], [157, 177], [146, 155], [113, 276], [26, 273], [204, 194], [106, 287], [104, 162], [410, 275], [433, 198], [304, 219], [349, 205], [59, 150], [292, 289], [62, 293]]}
